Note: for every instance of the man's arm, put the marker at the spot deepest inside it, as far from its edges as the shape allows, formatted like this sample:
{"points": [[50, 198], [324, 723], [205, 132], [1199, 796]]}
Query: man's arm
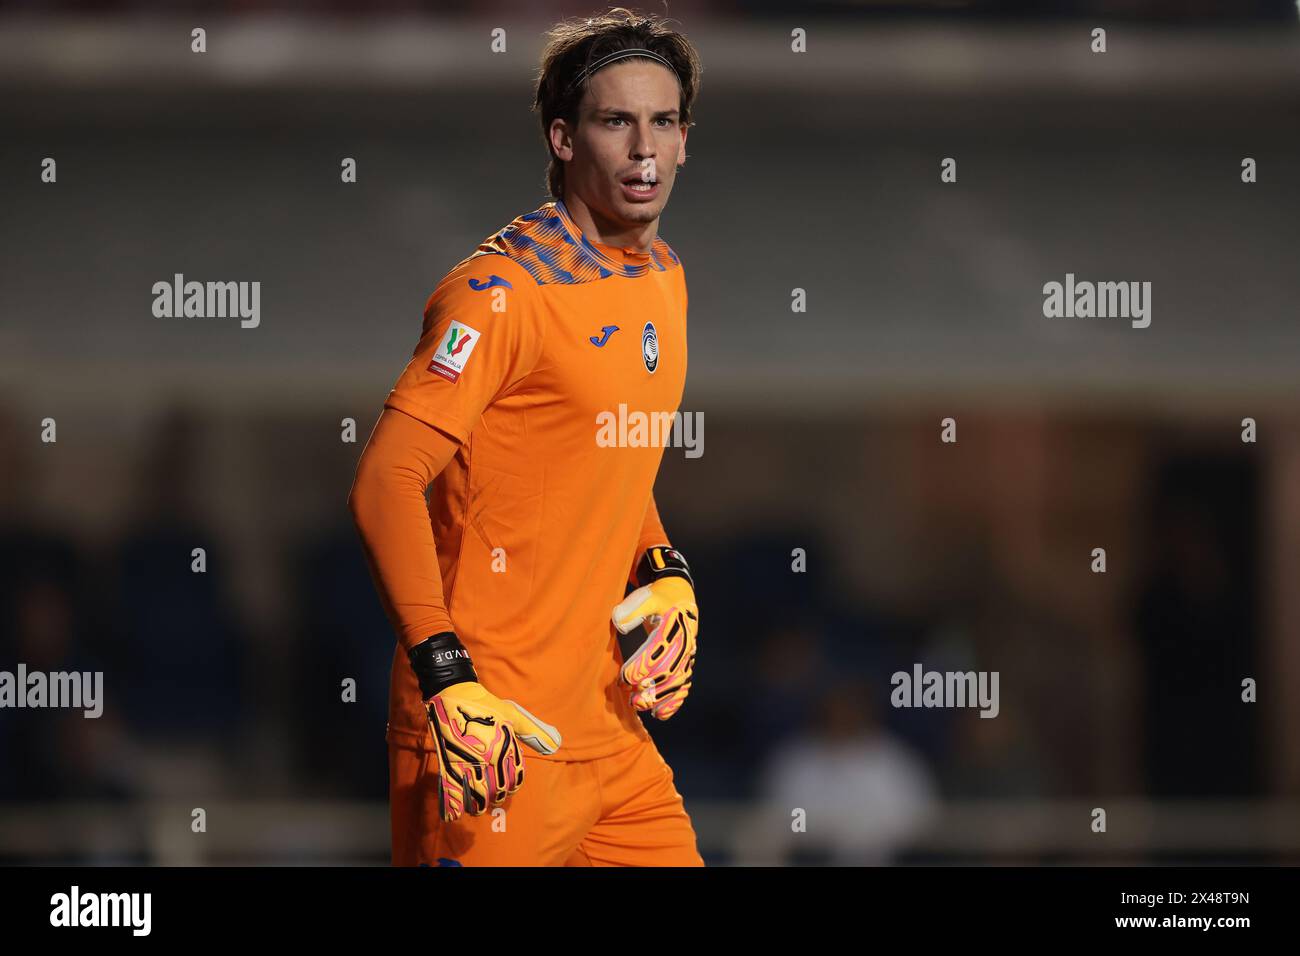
{"points": [[388, 506], [387, 502], [652, 533], [473, 347]]}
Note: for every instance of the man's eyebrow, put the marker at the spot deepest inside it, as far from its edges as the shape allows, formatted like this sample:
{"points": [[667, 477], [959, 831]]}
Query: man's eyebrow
{"points": [[620, 111]]}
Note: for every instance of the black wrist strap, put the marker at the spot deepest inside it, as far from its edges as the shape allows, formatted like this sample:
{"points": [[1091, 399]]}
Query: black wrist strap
{"points": [[440, 662], [662, 561]]}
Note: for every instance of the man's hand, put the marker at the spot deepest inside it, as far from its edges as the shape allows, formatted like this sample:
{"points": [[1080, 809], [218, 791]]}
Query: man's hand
{"points": [[477, 735], [659, 671]]}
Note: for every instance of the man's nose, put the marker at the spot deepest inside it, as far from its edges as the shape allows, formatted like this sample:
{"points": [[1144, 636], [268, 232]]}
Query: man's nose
{"points": [[645, 143]]}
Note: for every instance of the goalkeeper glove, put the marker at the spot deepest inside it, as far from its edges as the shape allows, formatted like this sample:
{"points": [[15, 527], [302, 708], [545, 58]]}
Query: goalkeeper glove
{"points": [[475, 732], [659, 671]]}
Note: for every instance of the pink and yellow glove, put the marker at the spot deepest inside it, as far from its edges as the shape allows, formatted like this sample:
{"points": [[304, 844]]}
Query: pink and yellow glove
{"points": [[476, 733], [659, 671]]}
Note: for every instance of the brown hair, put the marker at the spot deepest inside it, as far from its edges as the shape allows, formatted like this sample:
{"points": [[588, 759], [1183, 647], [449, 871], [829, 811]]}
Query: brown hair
{"points": [[574, 44]]}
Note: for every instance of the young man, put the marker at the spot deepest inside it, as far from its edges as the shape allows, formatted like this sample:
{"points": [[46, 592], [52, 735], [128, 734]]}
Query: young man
{"points": [[509, 591]]}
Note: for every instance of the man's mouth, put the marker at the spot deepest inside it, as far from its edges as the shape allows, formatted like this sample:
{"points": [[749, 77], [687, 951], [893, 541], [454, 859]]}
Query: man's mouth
{"points": [[637, 184]]}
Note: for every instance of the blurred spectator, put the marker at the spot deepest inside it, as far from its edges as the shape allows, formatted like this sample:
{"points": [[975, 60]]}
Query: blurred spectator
{"points": [[865, 793], [49, 753]]}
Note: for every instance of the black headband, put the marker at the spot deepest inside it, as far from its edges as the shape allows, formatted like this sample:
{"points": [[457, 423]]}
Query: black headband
{"points": [[609, 58]]}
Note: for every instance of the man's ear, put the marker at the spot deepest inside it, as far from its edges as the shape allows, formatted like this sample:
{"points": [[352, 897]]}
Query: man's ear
{"points": [[681, 153], [561, 139]]}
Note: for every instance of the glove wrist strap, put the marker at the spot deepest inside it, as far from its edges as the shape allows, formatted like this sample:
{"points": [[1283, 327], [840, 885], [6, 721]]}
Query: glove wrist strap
{"points": [[662, 561], [440, 662]]}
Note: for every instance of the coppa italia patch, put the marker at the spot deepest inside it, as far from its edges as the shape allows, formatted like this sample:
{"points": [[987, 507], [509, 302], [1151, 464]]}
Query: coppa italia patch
{"points": [[453, 351]]}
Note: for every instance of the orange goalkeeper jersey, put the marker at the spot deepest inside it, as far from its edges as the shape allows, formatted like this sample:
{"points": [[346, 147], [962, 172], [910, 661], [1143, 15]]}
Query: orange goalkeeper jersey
{"points": [[558, 363]]}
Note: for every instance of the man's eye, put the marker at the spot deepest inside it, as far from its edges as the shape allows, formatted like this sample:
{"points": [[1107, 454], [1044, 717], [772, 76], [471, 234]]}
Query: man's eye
{"points": [[664, 122], [615, 119]]}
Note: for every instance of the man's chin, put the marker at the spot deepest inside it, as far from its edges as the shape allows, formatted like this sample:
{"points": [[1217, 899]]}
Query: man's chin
{"points": [[639, 213]]}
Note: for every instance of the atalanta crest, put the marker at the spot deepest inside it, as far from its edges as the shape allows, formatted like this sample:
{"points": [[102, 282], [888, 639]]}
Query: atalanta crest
{"points": [[650, 347]]}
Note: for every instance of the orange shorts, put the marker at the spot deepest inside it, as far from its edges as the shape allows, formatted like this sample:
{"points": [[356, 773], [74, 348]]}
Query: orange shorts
{"points": [[620, 810]]}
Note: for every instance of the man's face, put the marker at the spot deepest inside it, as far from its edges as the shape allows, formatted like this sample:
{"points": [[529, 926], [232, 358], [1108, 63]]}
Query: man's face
{"points": [[622, 157]]}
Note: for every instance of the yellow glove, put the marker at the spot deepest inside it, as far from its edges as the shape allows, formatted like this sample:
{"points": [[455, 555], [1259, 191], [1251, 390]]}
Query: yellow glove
{"points": [[659, 671], [476, 733]]}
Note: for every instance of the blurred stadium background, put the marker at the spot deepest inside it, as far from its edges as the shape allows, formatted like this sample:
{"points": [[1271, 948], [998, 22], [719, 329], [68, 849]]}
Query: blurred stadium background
{"points": [[816, 171]]}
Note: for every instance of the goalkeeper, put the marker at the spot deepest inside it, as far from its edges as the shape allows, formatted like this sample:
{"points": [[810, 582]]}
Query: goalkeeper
{"points": [[515, 736]]}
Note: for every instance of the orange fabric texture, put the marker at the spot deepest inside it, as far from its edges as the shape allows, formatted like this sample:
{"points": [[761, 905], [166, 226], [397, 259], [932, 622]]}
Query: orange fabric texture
{"points": [[400, 460], [536, 526], [652, 533], [388, 504], [623, 810]]}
